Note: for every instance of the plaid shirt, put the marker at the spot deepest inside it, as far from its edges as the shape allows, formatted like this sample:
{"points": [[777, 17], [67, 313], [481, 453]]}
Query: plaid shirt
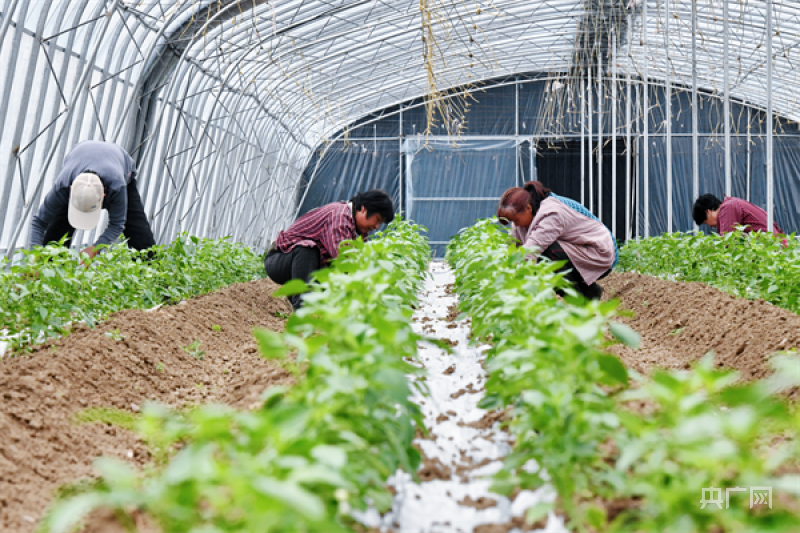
{"points": [[323, 228]]}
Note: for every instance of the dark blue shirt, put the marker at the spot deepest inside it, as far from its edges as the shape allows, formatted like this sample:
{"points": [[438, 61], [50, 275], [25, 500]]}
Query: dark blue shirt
{"points": [[114, 167]]}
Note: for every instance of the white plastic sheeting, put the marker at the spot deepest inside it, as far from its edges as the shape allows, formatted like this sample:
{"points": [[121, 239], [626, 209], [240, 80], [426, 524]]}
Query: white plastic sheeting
{"points": [[433, 506]]}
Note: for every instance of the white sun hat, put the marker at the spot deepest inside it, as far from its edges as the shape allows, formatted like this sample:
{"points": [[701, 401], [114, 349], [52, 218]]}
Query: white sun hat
{"points": [[85, 201]]}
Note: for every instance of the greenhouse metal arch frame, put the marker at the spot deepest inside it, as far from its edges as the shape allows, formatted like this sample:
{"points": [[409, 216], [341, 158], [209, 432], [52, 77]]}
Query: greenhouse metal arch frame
{"points": [[223, 103]]}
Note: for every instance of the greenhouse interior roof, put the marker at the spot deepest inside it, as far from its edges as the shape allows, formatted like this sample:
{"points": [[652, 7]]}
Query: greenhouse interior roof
{"points": [[223, 103]]}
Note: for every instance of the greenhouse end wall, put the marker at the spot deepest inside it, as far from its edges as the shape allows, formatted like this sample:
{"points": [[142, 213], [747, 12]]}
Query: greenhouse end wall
{"points": [[507, 117]]}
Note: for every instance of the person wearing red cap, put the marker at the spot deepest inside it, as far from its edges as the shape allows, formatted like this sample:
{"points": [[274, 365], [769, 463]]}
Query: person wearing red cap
{"points": [[96, 175]]}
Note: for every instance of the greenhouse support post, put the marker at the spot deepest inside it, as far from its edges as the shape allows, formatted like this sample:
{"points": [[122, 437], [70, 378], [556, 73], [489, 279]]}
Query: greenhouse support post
{"points": [[770, 192], [640, 113], [590, 143], [600, 102], [583, 141], [727, 96], [668, 114], [517, 144], [400, 138], [695, 144], [748, 174], [628, 145], [646, 123], [614, 43]]}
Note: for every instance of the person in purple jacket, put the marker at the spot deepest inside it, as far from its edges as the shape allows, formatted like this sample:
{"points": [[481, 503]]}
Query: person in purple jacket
{"points": [[560, 229], [96, 175], [726, 215]]}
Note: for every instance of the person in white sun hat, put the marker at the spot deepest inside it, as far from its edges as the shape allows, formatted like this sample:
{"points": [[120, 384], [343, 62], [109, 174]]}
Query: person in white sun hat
{"points": [[96, 175]]}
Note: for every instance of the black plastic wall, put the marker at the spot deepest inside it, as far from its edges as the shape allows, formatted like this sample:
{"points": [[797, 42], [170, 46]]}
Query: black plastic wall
{"points": [[494, 153]]}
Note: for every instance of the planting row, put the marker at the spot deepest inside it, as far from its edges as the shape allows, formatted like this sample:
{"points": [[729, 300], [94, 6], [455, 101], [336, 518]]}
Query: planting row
{"points": [[313, 452], [47, 290], [749, 265], [622, 458]]}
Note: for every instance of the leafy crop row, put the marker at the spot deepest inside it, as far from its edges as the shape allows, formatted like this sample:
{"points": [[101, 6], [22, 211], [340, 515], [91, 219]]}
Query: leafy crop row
{"points": [[754, 265], [313, 452], [647, 450], [48, 290]]}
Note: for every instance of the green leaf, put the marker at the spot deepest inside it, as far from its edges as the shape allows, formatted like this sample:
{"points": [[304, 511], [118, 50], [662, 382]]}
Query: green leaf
{"points": [[613, 368], [117, 473], [596, 516], [625, 334], [270, 343], [67, 514], [537, 512], [787, 372], [329, 455], [317, 474], [295, 286], [293, 495]]}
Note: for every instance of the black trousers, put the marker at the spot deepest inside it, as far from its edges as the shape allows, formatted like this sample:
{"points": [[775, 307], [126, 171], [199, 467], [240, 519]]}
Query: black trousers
{"points": [[555, 252], [137, 228], [299, 263]]}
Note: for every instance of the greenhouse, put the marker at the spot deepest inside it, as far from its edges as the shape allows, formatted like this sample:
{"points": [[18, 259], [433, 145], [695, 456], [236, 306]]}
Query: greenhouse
{"points": [[326, 266]]}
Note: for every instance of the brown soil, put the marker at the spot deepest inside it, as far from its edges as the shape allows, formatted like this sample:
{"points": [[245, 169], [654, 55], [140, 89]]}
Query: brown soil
{"points": [[433, 469], [467, 465], [481, 503], [518, 522], [488, 420], [680, 322], [452, 312], [41, 448]]}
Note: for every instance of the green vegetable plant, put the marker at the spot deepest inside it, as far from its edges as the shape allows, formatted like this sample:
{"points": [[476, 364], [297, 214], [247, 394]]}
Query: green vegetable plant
{"points": [[748, 265], [578, 426], [194, 350], [704, 429], [546, 363], [47, 290], [115, 334], [313, 452]]}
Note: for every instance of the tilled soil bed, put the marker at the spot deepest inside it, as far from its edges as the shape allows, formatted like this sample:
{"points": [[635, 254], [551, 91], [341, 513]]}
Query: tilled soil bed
{"points": [[680, 322], [138, 356], [198, 351]]}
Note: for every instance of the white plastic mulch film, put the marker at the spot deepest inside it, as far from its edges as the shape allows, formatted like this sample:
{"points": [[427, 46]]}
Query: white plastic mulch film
{"points": [[235, 110]]}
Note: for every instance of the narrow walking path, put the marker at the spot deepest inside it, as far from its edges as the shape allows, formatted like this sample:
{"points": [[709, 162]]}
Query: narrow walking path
{"points": [[465, 445]]}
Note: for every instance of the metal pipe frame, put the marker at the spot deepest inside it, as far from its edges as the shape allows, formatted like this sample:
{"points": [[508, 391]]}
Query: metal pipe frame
{"points": [[222, 103]]}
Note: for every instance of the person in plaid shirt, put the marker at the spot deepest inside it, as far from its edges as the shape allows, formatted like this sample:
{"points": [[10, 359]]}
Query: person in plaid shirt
{"points": [[312, 241]]}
